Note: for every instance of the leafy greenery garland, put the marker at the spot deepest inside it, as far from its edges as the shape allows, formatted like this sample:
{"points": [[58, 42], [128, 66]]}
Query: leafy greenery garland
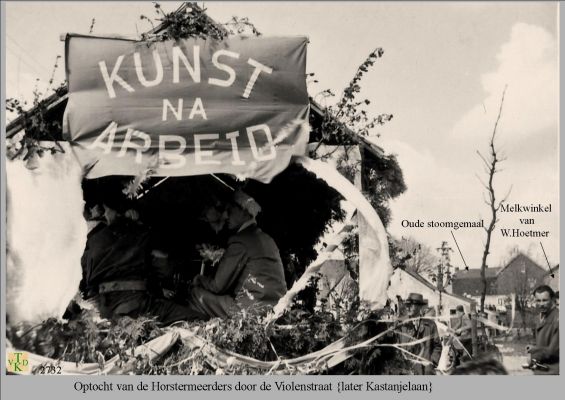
{"points": [[298, 332]]}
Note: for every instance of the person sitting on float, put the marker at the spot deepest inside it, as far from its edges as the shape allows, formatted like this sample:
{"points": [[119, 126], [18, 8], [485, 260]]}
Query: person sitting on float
{"points": [[249, 275], [117, 269]]}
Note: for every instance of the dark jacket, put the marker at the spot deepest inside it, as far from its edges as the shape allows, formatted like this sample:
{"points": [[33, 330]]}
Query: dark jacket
{"points": [[251, 270], [118, 253], [115, 252], [546, 350], [429, 350]]}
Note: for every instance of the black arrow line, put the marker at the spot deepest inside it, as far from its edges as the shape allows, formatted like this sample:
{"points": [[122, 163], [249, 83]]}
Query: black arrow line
{"points": [[549, 266], [463, 258]]}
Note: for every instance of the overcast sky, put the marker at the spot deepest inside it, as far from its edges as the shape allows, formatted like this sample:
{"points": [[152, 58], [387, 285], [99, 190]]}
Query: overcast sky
{"points": [[442, 75]]}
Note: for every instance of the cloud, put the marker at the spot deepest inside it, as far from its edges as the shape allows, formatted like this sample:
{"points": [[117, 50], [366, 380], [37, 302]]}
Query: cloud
{"points": [[435, 192], [429, 181], [440, 192], [527, 64]]}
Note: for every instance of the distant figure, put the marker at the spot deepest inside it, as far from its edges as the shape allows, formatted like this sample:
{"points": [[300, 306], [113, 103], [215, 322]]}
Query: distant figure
{"points": [[430, 349], [546, 349], [462, 327], [492, 318], [482, 329], [250, 274]]}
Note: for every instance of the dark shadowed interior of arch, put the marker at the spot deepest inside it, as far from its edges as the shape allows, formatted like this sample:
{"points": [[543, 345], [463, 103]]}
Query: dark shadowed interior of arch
{"points": [[297, 208]]}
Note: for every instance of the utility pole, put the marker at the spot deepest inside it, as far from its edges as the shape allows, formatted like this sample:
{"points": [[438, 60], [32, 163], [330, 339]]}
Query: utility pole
{"points": [[442, 275]]}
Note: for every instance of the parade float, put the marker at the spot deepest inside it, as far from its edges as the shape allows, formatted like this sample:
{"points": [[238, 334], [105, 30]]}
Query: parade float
{"points": [[187, 107]]}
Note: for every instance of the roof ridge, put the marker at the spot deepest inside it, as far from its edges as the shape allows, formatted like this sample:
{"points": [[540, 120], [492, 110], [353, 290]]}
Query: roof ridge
{"points": [[520, 254], [423, 280]]}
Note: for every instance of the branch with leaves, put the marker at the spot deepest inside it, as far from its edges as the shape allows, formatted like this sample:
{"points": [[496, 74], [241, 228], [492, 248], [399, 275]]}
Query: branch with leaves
{"points": [[348, 118], [341, 127], [37, 126], [191, 21]]}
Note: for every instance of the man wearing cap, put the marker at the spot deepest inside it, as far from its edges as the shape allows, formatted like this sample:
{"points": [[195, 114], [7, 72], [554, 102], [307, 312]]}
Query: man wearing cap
{"points": [[428, 352], [250, 274], [546, 349]]}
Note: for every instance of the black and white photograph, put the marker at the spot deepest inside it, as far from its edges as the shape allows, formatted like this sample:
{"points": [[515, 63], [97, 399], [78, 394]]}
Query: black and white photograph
{"points": [[281, 188]]}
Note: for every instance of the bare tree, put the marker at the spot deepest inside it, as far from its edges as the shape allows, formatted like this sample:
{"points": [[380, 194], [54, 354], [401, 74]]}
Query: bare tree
{"points": [[522, 285], [417, 257], [492, 163]]}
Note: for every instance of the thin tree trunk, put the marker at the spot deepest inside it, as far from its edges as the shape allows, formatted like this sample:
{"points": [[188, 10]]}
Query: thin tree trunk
{"points": [[490, 229], [491, 170]]}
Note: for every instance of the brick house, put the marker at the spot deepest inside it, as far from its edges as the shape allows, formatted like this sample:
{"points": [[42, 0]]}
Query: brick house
{"points": [[520, 276], [468, 284]]}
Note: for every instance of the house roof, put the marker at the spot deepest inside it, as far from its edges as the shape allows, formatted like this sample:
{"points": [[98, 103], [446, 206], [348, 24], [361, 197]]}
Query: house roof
{"points": [[469, 282], [475, 273], [554, 270], [492, 273], [421, 279], [519, 258]]}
